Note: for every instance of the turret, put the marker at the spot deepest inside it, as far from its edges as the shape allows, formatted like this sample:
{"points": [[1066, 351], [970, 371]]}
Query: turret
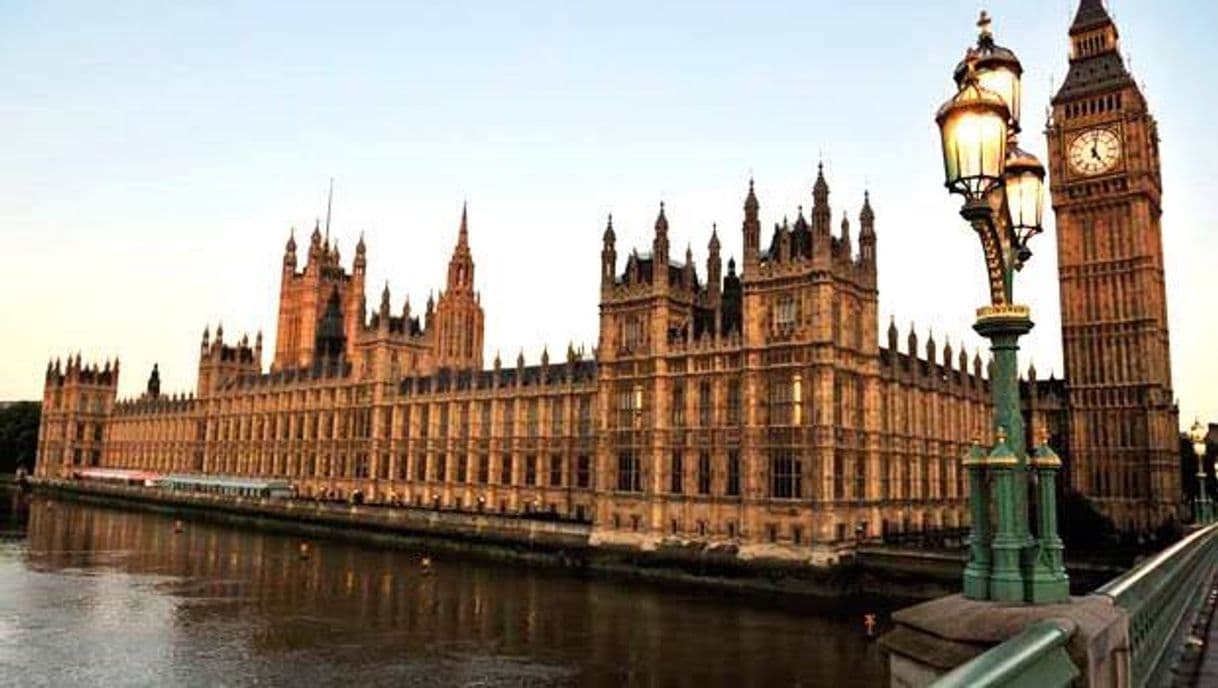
{"points": [[361, 256], [821, 214], [289, 253], [892, 336], [315, 247], [608, 254], [714, 265], [751, 229], [867, 232], [847, 246], [154, 383], [77, 401], [383, 314], [659, 250], [688, 269]]}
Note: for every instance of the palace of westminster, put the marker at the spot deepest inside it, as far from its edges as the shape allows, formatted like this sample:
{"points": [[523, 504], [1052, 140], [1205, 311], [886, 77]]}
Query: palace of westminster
{"points": [[754, 407]]}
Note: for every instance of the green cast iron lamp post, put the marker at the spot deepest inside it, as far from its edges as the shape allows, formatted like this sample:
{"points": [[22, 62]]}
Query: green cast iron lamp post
{"points": [[1003, 190], [1202, 508]]}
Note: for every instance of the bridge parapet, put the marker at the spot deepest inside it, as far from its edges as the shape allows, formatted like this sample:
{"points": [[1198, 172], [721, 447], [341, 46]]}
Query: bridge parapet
{"points": [[1161, 595], [1129, 632]]}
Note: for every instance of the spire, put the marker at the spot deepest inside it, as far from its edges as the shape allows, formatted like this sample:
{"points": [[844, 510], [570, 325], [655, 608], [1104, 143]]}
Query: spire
{"points": [[867, 231], [315, 239], [385, 304], [154, 382], [461, 265], [867, 215], [1091, 14], [1095, 59], [329, 204], [713, 246], [661, 222], [820, 189], [608, 255], [892, 334], [659, 251], [463, 232], [751, 228], [821, 215]]}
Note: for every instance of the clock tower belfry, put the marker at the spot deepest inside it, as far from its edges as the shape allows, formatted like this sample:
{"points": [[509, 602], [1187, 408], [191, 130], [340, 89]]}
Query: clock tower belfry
{"points": [[1106, 189]]}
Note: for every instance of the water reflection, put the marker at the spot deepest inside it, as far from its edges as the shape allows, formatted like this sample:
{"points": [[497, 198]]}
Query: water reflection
{"points": [[104, 597]]}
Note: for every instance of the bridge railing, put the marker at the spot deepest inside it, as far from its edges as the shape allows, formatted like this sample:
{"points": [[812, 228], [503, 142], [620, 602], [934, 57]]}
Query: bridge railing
{"points": [[1159, 597], [1035, 657]]}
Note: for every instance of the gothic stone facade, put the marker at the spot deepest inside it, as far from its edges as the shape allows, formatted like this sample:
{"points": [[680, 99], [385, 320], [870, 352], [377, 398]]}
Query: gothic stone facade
{"points": [[752, 410]]}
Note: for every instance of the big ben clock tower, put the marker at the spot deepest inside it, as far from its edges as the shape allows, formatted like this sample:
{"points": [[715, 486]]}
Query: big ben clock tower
{"points": [[1106, 188]]}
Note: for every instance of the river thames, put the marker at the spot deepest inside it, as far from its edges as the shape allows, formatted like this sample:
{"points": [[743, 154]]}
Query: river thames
{"points": [[91, 596]]}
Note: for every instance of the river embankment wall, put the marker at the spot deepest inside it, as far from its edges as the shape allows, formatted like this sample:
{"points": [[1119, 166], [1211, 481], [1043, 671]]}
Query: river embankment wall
{"points": [[897, 574]]}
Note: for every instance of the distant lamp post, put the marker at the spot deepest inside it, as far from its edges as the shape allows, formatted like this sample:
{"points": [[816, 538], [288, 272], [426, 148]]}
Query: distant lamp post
{"points": [[1003, 190], [1202, 511]]}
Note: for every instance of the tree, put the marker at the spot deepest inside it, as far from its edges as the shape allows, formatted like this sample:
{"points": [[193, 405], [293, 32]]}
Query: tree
{"points": [[1084, 527], [19, 435]]}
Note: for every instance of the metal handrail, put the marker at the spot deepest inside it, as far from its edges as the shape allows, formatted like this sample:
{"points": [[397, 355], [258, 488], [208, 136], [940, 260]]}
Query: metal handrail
{"points": [[1121, 585], [1159, 595], [1037, 656]]}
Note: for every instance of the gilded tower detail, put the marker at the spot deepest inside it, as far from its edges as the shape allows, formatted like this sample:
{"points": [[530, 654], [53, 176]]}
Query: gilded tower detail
{"points": [[1106, 189]]}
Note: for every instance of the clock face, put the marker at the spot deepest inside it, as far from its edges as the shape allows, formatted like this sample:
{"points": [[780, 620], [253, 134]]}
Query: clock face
{"points": [[1095, 152]]}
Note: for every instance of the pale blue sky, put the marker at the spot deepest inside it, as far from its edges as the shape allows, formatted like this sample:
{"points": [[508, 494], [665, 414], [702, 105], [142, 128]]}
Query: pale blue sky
{"points": [[157, 153]]}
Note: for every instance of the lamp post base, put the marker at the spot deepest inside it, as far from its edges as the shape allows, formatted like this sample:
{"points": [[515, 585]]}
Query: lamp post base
{"points": [[1046, 586]]}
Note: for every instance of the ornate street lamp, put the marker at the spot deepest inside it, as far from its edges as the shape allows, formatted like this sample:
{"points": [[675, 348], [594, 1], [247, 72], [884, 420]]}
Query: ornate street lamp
{"points": [[1003, 190], [1201, 505]]}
